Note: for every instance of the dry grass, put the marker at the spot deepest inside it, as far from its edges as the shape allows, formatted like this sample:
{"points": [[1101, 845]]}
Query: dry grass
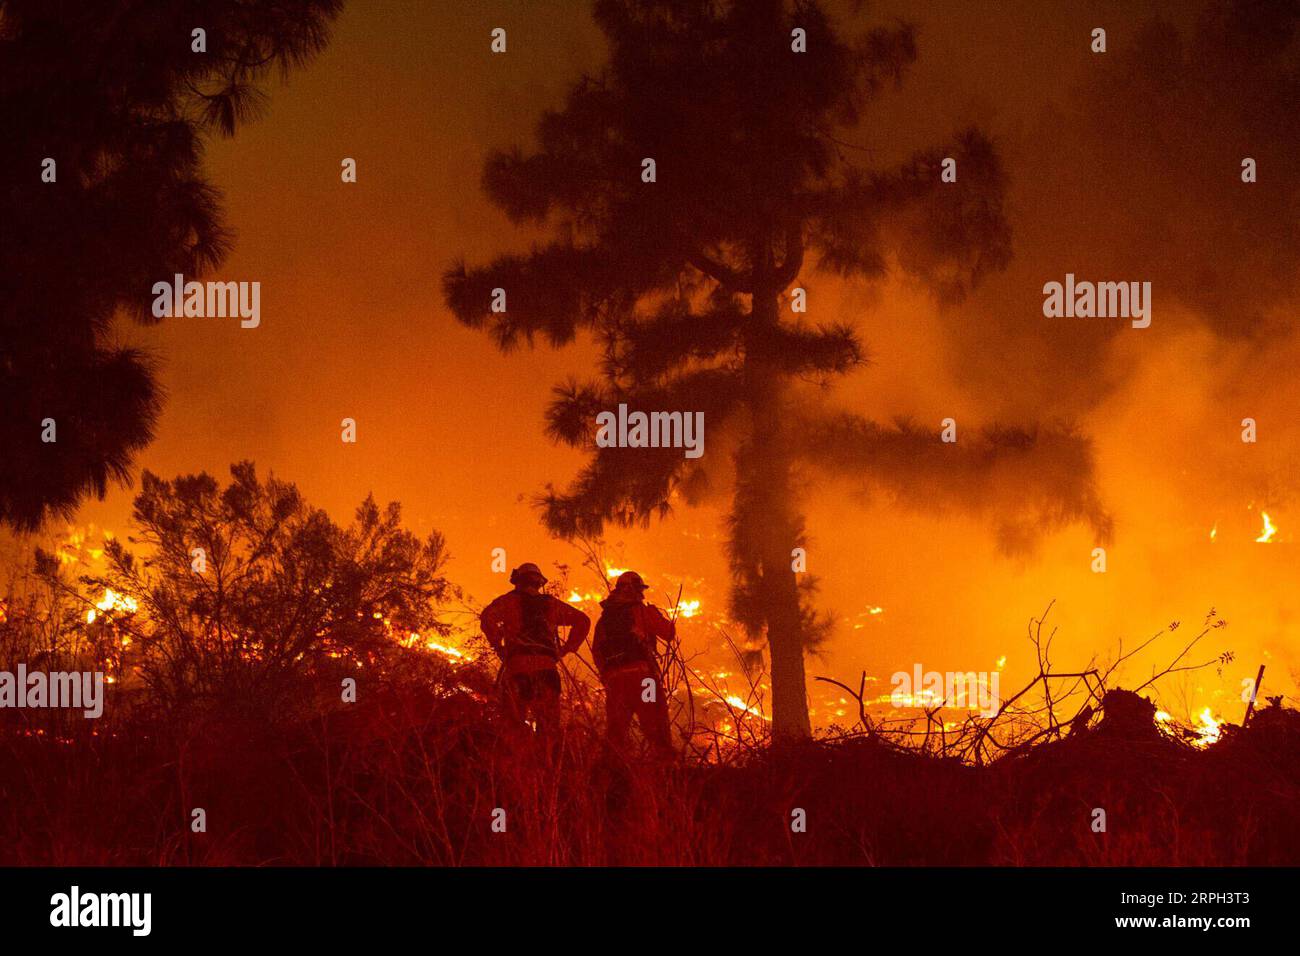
{"points": [[412, 776]]}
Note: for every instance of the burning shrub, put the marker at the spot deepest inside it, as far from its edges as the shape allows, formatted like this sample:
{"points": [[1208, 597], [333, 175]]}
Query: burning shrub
{"points": [[247, 593]]}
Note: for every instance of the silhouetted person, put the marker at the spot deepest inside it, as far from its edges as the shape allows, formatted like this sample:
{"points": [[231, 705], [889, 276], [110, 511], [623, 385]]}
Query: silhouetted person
{"points": [[522, 627], [624, 648]]}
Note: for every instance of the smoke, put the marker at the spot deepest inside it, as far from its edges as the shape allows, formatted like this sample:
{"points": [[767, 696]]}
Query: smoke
{"points": [[1123, 166], [1136, 174]]}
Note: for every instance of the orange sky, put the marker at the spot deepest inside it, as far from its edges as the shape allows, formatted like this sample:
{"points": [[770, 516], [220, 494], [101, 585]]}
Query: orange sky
{"points": [[353, 326]]}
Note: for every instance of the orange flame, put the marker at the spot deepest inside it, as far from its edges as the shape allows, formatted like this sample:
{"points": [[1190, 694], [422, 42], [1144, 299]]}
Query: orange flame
{"points": [[112, 601], [1209, 729]]}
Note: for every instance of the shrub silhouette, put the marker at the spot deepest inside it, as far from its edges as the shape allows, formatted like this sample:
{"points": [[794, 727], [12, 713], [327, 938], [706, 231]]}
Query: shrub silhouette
{"points": [[249, 594]]}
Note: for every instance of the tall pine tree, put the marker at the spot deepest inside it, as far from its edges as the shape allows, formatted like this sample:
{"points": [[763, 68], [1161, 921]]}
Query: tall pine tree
{"points": [[683, 281], [121, 97]]}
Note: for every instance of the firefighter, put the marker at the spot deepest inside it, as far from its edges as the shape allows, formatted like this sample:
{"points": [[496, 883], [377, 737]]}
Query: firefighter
{"points": [[624, 648], [522, 627]]}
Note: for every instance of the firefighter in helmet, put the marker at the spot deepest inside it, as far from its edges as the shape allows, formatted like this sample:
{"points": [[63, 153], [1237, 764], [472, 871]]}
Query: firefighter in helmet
{"points": [[523, 628], [624, 647]]}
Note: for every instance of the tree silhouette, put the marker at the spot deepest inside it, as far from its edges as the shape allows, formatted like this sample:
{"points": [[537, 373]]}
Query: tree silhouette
{"points": [[118, 98], [683, 281]]}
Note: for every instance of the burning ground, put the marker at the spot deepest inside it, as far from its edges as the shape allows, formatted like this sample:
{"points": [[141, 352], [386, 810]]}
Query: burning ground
{"points": [[412, 771]]}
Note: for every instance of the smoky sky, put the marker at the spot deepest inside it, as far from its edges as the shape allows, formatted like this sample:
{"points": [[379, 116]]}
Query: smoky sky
{"points": [[1135, 174]]}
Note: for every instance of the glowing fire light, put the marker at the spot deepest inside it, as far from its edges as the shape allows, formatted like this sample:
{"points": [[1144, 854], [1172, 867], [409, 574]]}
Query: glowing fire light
{"points": [[614, 572], [77, 547], [1209, 729], [688, 608], [1269, 530], [446, 651], [1214, 532], [923, 699], [871, 611], [112, 601], [739, 704], [415, 637]]}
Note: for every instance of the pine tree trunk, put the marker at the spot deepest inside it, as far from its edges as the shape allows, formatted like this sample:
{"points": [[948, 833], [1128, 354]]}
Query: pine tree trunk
{"points": [[774, 526]]}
